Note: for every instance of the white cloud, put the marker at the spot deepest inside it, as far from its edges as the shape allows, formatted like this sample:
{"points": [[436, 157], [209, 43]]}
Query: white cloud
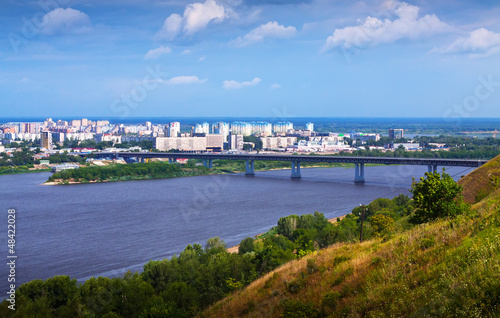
{"points": [[201, 58], [23, 80], [186, 51], [235, 84], [479, 43], [373, 31], [156, 53], [183, 80], [67, 21], [196, 17], [269, 30], [275, 86]]}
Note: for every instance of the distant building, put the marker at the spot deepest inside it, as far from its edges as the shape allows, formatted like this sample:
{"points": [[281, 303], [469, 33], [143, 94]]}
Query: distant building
{"points": [[282, 127], [221, 128], [108, 137], [363, 138], [235, 142], [46, 140], [64, 166], [310, 127], [209, 142], [277, 142], [241, 128], [407, 146], [174, 129], [396, 133]]}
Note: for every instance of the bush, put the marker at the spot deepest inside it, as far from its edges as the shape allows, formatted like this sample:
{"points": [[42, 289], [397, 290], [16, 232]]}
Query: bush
{"points": [[436, 196], [297, 309]]}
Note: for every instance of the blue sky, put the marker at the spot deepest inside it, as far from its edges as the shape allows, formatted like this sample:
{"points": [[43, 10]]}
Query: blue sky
{"points": [[250, 58]]}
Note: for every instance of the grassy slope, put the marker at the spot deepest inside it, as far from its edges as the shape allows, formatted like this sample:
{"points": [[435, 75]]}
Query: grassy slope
{"points": [[445, 268], [481, 182]]}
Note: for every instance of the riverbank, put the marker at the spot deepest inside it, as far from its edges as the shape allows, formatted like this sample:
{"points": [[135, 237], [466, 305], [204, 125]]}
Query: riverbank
{"points": [[71, 177], [21, 171]]}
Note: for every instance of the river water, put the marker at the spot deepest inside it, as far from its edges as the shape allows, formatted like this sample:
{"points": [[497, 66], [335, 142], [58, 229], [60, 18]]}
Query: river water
{"points": [[108, 228]]}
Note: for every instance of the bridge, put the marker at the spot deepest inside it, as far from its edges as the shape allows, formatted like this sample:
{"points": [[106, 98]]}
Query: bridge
{"points": [[359, 171]]}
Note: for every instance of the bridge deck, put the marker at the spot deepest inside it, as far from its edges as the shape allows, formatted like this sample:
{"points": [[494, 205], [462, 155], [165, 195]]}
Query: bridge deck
{"points": [[301, 158]]}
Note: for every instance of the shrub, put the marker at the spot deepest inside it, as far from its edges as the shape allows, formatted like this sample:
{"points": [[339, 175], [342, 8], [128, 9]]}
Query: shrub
{"points": [[436, 196], [297, 309]]}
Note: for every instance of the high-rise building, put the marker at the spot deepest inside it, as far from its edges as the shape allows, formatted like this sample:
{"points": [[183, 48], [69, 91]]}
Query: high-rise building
{"points": [[85, 122], [282, 127], [241, 128], [174, 129], [75, 123], [310, 127], [396, 133], [235, 142], [221, 128], [262, 128], [46, 140]]}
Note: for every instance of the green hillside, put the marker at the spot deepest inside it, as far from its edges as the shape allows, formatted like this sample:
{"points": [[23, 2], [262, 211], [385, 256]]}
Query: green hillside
{"points": [[445, 268]]}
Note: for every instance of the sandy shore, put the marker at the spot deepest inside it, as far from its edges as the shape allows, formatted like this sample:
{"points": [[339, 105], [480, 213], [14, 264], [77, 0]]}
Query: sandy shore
{"points": [[234, 249]]}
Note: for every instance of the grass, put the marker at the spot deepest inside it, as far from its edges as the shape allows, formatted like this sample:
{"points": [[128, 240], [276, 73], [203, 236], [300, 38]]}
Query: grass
{"points": [[447, 268], [481, 182]]}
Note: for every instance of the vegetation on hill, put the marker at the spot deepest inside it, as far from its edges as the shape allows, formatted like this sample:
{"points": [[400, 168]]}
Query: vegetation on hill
{"points": [[481, 182], [449, 267]]}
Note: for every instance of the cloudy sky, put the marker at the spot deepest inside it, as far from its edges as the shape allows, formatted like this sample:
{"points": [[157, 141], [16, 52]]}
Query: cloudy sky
{"points": [[322, 58]]}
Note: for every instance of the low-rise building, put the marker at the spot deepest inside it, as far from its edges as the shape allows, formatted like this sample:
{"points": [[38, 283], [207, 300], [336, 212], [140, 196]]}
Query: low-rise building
{"points": [[64, 166]]}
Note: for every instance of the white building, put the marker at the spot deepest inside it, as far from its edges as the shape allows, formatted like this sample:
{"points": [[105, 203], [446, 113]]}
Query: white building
{"points": [[174, 129], [282, 127], [241, 128], [262, 128], [310, 127], [209, 142], [277, 142], [221, 128]]}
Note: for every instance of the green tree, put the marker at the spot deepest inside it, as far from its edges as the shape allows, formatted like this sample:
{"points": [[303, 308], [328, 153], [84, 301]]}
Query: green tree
{"points": [[382, 224], [436, 195], [288, 224], [246, 246]]}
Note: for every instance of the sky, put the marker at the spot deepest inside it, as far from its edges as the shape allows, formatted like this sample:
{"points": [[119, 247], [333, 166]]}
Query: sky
{"points": [[242, 58]]}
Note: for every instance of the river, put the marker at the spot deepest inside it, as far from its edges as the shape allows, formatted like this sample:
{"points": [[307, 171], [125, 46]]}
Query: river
{"points": [[108, 228]]}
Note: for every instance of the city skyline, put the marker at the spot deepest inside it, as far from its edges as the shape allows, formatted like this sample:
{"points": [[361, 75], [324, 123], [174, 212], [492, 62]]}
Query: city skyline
{"points": [[272, 59]]}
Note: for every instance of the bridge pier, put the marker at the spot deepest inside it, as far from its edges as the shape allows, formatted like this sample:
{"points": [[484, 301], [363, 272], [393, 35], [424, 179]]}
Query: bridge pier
{"points": [[208, 163], [170, 160], [432, 168], [140, 159], [249, 168], [359, 173], [295, 169]]}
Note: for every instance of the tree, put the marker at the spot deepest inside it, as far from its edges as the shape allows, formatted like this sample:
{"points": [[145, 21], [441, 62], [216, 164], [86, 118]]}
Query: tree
{"points": [[287, 224], [436, 195], [246, 246], [215, 243], [382, 224]]}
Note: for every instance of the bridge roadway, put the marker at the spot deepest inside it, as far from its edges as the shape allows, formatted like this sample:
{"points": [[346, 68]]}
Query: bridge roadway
{"points": [[359, 171]]}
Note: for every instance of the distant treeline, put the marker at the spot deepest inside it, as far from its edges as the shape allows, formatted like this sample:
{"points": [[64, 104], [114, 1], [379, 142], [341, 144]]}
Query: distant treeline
{"points": [[119, 172]]}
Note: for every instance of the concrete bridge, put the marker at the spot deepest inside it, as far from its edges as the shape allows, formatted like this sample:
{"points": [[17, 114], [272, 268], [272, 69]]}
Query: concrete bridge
{"points": [[359, 171]]}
